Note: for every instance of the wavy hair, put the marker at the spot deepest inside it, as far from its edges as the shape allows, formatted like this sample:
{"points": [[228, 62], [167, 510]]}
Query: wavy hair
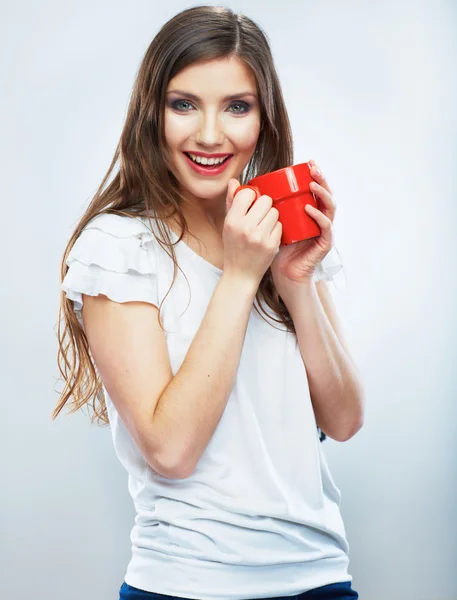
{"points": [[143, 182]]}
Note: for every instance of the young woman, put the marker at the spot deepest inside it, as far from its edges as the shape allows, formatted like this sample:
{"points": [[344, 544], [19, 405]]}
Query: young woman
{"points": [[215, 355]]}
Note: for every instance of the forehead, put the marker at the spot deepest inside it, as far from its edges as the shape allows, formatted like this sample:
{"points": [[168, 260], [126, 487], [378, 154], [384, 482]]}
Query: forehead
{"points": [[218, 77]]}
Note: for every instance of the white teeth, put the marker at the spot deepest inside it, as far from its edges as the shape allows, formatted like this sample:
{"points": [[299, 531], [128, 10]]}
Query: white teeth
{"points": [[207, 161]]}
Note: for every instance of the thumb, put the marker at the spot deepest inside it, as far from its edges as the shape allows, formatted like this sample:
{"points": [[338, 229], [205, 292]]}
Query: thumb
{"points": [[233, 184]]}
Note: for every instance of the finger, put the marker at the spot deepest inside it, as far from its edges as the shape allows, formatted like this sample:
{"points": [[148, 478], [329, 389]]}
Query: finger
{"points": [[244, 200], [324, 222], [318, 175], [233, 184], [324, 195]]}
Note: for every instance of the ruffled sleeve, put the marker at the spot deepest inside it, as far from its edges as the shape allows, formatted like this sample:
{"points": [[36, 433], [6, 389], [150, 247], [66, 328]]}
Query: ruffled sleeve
{"points": [[329, 266], [114, 255]]}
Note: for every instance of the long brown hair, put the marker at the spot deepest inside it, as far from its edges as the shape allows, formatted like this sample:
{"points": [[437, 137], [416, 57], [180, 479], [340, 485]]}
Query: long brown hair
{"points": [[144, 183]]}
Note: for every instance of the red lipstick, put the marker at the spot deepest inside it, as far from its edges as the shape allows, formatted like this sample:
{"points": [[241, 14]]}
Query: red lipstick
{"points": [[208, 170]]}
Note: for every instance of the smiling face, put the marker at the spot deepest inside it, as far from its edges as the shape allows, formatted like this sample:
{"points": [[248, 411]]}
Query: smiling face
{"points": [[212, 108]]}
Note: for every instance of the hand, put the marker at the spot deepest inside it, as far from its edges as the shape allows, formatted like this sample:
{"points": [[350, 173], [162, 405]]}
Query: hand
{"points": [[251, 234], [297, 262]]}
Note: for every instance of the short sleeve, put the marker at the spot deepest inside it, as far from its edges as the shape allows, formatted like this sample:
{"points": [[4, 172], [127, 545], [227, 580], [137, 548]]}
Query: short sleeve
{"points": [[329, 266], [114, 255]]}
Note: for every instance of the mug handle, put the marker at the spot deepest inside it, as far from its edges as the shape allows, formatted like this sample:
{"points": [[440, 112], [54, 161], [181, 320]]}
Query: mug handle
{"points": [[250, 187]]}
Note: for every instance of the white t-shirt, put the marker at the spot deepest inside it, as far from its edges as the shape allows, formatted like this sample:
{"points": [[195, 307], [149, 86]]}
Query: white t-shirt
{"points": [[260, 515]]}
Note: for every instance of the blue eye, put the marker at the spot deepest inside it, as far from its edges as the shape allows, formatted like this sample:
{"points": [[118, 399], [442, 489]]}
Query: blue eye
{"points": [[174, 104], [244, 105]]}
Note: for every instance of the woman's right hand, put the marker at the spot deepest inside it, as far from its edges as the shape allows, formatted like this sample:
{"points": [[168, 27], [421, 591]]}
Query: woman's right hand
{"points": [[251, 234]]}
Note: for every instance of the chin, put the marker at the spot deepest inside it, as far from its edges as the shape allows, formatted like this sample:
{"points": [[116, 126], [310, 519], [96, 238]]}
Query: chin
{"points": [[207, 189]]}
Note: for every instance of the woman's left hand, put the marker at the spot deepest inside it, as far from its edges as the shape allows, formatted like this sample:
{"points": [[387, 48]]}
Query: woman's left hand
{"points": [[297, 262]]}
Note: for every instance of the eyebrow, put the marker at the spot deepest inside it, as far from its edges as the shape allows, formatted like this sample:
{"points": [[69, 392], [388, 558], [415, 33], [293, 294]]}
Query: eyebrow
{"points": [[197, 99]]}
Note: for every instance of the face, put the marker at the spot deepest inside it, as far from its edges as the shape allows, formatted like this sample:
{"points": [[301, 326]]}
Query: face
{"points": [[201, 120]]}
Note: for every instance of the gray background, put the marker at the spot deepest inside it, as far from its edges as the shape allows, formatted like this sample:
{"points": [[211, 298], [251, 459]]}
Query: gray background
{"points": [[369, 91]]}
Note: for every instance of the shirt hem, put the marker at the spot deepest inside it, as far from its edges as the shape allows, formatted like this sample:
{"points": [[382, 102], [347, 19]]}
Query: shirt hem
{"points": [[195, 579]]}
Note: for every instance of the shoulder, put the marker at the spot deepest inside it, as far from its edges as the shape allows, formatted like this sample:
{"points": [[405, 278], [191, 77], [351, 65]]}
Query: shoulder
{"points": [[119, 225], [114, 255], [116, 242]]}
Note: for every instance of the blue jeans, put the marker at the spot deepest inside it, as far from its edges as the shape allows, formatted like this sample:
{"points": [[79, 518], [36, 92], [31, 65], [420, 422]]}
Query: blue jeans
{"points": [[334, 591]]}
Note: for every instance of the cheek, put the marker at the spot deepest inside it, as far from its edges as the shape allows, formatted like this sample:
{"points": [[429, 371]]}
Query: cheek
{"points": [[244, 133], [176, 129], [250, 140]]}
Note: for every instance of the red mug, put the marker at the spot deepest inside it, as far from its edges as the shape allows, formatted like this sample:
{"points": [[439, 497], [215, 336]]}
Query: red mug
{"points": [[289, 190]]}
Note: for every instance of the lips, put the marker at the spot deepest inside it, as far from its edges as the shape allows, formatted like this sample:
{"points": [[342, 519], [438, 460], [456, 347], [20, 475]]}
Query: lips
{"points": [[210, 170], [203, 154]]}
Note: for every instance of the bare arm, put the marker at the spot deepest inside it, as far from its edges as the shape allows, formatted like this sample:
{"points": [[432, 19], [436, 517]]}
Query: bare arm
{"points": [[171, 419], [334, 383], [330, 310], [192, 405]]}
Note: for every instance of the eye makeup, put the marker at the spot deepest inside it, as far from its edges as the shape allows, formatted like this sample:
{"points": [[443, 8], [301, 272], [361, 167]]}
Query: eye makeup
{"points": [[246, 106]]}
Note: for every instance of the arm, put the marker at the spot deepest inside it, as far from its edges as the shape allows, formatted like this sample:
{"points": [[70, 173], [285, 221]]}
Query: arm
{"points": [[335, 387], [330, 310], [170, 418], [192, 405]]}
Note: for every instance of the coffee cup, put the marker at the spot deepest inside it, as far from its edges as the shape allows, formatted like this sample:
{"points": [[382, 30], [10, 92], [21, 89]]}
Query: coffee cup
{"points": [[289, 190]]}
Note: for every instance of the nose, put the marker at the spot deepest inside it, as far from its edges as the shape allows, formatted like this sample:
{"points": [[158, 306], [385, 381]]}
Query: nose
{"points": [[210, 131]]}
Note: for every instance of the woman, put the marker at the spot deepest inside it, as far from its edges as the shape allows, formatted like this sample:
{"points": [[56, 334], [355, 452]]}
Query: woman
{"points": [[171, 291]]}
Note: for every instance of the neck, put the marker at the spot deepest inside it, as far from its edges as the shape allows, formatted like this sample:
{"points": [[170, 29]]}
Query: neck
{"points": [[204, 214]]}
